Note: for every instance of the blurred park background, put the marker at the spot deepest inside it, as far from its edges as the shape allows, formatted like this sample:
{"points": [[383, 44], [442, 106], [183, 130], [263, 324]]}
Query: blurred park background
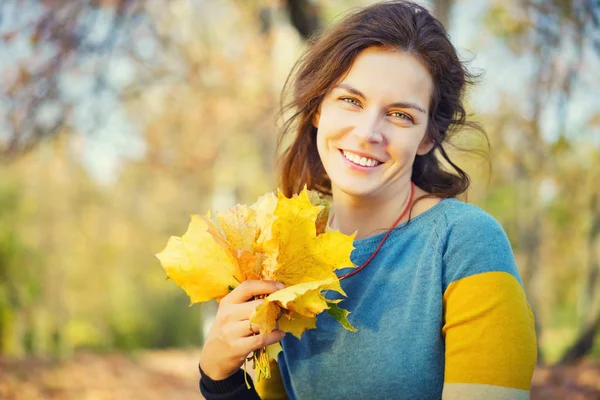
{"points": [[119, 118]]}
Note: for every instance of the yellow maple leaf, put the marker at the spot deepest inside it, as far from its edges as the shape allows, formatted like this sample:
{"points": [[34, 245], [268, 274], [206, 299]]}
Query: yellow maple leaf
{"points": [[201, 266], [265, 215], [295, 254], [214, 230], [273, 350], [297, 324], [323, 217], [249, 264], [303, 301], [240, 227]]}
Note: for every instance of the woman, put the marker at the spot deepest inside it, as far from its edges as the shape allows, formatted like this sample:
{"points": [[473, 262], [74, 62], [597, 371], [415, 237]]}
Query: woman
{"points": [[437, 299]]}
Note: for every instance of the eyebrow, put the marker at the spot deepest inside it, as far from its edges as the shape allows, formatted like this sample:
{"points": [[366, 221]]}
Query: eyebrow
{"points": [[395, 105]]}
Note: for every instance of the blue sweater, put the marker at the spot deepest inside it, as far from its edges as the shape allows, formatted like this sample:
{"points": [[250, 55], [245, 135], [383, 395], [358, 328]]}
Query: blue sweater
{"points": [[439, 310]]}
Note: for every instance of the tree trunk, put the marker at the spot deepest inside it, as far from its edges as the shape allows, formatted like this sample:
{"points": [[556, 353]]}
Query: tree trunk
{"points": [[13, 333], [304, 15], [585, 342]]}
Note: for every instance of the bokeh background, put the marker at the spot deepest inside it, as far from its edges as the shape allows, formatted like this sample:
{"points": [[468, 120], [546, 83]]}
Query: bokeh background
{"points": [[119, 118]]}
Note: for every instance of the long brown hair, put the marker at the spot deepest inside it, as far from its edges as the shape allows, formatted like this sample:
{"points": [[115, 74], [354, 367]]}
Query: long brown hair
{"points": [[399, 25]]}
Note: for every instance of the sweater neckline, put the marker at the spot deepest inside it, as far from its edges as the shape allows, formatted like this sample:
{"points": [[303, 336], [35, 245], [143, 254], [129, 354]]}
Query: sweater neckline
{"points": [[366, 244]]}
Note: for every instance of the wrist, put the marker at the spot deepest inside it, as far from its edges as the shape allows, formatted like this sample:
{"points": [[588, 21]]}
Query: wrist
{"points": [[213, 372], [225, 385]]}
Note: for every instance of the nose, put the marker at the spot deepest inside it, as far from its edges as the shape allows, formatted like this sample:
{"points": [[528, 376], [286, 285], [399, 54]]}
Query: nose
{"points": [[368, 127]]}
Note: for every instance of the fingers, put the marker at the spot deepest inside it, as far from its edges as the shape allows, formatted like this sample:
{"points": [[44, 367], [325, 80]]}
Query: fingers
{"points": [[238, 312], [231, 337], [255, 342], [248, 289], [244, 329]]}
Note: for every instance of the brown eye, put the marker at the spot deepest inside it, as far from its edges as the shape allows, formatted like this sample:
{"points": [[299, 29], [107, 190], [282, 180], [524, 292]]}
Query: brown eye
{"points": [[401, 115], [350, 100]]}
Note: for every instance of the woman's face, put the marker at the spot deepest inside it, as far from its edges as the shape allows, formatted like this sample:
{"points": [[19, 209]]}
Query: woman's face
{"points": [[373, 122]]}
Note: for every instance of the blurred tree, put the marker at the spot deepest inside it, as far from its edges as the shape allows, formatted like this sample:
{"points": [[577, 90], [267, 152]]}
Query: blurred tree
{"points": [[590, 295], [50, 41], [304, 16], [19, 287], [203, 99], [47, 40], [556, 35], [441, 10]]}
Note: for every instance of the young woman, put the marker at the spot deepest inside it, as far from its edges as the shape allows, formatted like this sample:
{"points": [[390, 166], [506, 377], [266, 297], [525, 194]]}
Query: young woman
{"points": [[437, 298]]}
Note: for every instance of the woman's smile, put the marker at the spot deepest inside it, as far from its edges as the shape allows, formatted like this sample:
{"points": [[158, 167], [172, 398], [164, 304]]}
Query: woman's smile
{"points": [[357, 159]]}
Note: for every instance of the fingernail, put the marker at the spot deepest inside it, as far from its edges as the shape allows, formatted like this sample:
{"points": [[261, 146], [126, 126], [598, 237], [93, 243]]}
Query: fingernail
{"points": [[279, 285]]}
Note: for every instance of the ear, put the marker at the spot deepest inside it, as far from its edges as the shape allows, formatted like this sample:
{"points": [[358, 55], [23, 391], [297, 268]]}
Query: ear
{"points": [[316, 118], [425, 146]]}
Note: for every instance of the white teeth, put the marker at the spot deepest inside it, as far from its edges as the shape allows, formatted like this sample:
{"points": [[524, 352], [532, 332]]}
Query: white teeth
{"points": [[356, 159]]}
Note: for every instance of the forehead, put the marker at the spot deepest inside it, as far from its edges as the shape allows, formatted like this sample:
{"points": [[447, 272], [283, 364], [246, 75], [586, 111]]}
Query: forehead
{"points": [[390, 75]]}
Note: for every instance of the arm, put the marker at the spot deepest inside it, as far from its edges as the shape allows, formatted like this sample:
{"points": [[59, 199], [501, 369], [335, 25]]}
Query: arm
{"points": [[490, 339], [234, 387], [489, 328], [231, 388]]}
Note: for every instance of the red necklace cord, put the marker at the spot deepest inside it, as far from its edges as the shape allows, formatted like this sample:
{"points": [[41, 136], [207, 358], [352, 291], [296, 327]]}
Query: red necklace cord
{"points": [[412, 192]]}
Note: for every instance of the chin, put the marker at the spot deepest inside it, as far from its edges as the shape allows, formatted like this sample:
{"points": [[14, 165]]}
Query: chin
{"points": [[354, 189]]}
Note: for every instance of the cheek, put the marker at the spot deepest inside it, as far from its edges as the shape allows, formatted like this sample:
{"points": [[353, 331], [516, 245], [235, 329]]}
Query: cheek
{"points": [[322, 146], [332, 122], [404, 145], [320, 143], [324, 135]]}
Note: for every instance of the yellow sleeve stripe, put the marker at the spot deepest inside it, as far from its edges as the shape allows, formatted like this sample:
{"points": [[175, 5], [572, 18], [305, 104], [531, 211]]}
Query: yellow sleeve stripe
{"points": [[469, 391], [272, 388], [489, 332]]}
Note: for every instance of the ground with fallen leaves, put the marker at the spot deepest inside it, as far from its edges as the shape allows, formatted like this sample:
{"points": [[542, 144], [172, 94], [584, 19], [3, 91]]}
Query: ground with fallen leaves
{"points": [[173, 374], [152, 375]]}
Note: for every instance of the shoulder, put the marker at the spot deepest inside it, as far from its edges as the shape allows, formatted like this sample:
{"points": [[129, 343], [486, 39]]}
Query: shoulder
{"points": [[474, 242], [459, 215], [468, 224]]}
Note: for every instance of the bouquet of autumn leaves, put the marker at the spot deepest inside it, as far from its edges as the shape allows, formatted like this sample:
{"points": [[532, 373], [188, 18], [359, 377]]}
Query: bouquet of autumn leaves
{"points": [[276, 238]]}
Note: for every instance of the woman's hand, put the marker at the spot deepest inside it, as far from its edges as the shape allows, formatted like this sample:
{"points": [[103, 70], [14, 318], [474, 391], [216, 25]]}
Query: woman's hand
{"points": [[231, 337]]}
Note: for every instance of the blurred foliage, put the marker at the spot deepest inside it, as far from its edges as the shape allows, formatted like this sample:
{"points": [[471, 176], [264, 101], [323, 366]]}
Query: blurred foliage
{"points": [[198, 86], [78, 252], [548, 175], [75, 274]]}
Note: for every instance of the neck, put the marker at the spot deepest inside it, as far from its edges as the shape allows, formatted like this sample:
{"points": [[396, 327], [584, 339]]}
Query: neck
{"points": [[369, 215]]}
